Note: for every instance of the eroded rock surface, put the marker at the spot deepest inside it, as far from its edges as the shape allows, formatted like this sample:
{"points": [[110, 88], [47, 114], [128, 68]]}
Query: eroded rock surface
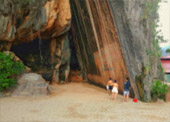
{"points": [[31, 84], [113, 38], [36, 31], [25, 20]]}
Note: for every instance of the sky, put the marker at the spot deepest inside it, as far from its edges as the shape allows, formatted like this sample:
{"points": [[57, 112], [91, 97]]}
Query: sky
{"points": [[164, 18]]}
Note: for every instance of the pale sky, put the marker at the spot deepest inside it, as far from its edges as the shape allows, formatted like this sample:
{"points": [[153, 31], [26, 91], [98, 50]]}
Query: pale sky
{"points": [[164, 14]]}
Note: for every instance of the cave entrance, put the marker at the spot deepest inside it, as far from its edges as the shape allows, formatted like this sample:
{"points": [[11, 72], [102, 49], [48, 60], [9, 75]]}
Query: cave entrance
{"points": [[36, 55], [75, 72]]}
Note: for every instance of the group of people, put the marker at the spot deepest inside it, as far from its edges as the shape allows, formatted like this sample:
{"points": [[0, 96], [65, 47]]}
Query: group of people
{"points": [[112, 88]]}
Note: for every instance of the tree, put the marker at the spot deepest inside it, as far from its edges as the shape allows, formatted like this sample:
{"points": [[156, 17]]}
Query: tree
{"points": [[168, 51]]}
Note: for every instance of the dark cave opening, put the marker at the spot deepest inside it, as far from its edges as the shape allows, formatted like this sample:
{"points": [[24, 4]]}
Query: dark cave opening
{"points": [[75, 71], [32, 53], [36, 54], [74, 64]]}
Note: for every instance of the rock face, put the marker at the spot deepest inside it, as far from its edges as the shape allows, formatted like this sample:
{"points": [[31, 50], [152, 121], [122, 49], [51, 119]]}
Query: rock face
{"points": [[43, 24], [25, 20], [137, 40], [113, 38], [31, 84], [97, 45]]}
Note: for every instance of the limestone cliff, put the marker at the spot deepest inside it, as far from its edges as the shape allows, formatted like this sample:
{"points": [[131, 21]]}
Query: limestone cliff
{"points": [[25, 20], [137, 39], [113, 38], [43, 24]]}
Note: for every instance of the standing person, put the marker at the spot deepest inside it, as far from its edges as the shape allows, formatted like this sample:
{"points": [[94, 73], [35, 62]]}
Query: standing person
{"points": [[115, 90], [126, 90], [109, 85]]}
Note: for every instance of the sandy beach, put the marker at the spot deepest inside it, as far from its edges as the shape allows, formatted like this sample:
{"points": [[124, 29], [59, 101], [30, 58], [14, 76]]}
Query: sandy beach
{"points": [[80, 102]]}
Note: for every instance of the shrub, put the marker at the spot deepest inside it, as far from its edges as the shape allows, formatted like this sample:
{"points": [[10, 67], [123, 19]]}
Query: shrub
{"points": [[8, 71], [168, 51], [159, 90]]}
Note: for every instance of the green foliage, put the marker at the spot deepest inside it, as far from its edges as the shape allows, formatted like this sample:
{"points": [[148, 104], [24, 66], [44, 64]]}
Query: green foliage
{"points": [[159, 90], [168, 51], [150, 8], [151, 14], [149, 52], [147, 68], [155, 53], [8, 71]]}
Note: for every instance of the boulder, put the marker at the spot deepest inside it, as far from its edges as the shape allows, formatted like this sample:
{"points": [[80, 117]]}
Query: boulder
{"points": [[31, 84]]}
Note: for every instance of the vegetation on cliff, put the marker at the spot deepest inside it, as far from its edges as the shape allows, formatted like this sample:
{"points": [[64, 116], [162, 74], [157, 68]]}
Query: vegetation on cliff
{"points": [[159, 90], [151, 13], [9, 69], [151, 16], [168, 51]]}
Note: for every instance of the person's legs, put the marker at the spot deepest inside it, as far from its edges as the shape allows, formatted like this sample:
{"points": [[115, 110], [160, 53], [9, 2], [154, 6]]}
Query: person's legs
{"points": [[107, 89], [127, 98], [112, 95], [108, 92], [124, 96], [115, 96]]}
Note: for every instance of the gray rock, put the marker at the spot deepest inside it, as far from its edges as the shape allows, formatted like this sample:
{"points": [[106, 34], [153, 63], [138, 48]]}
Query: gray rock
{"points": [[117, 24], [31, 84], [136, 38]]}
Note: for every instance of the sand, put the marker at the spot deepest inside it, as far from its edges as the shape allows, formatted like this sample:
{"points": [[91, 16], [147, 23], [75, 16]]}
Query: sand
{"points": [[80, 102]]}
